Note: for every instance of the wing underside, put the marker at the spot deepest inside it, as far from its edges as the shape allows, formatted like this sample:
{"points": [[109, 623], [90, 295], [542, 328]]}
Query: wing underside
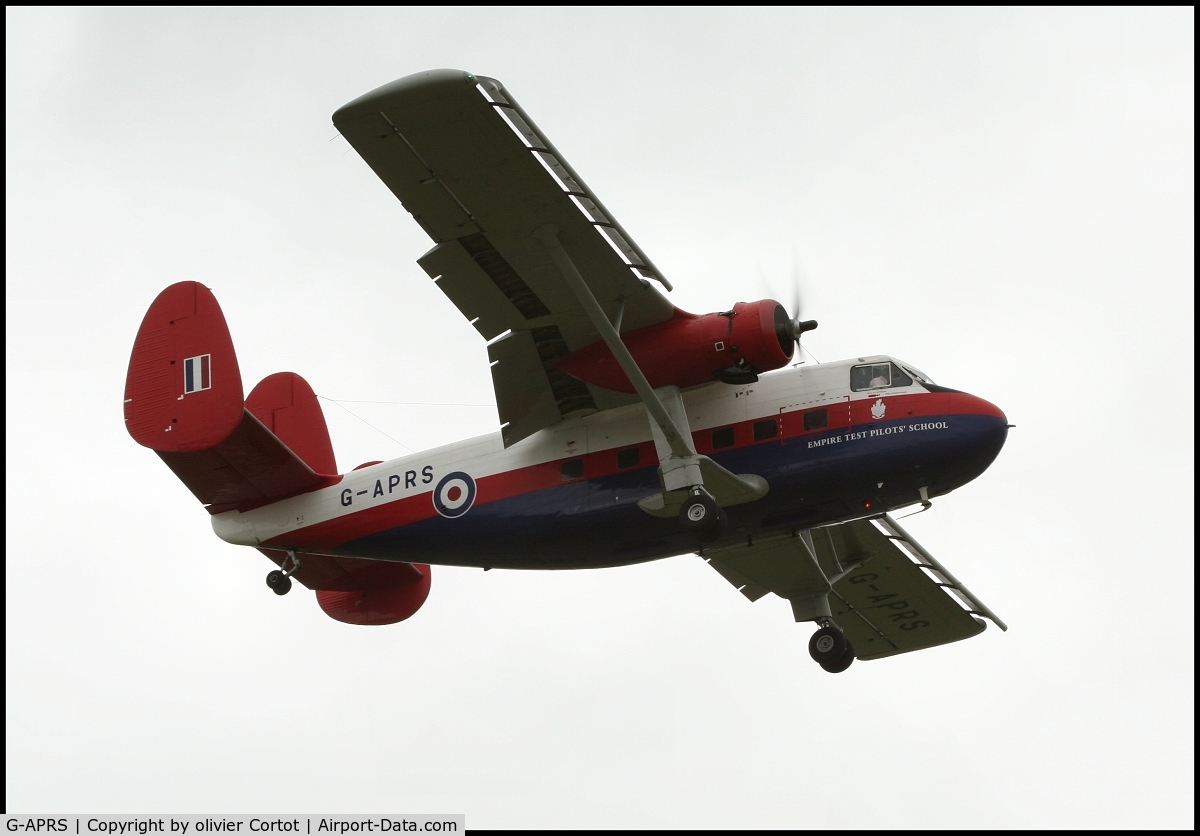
{"points": [[884, 591], [480, 178]]}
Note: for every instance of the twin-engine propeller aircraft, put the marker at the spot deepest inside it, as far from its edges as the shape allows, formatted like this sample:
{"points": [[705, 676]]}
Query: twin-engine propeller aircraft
{"points": [[630, 429]]}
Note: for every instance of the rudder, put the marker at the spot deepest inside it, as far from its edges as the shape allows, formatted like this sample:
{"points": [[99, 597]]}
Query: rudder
{"points": [[288, 407], [183, 391]]}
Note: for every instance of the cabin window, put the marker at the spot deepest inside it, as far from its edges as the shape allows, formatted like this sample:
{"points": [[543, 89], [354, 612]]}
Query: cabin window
{"points": [[572, 469], [816, 419], [878, 376], [765, 429], [627, 458], [722, 438]]}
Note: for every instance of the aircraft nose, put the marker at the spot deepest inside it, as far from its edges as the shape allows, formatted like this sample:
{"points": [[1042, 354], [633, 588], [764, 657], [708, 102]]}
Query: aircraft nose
{"points": [[986, 430], [966, 404]]}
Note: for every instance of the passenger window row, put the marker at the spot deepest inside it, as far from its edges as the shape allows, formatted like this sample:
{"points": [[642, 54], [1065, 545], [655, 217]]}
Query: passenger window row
{"points": [[722, 437], [627, 458], [762, 430]]}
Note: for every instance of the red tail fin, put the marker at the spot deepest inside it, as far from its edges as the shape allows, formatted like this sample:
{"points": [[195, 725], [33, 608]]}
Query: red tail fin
{"points": [[288, 407], [183, 399], [183, 391]]}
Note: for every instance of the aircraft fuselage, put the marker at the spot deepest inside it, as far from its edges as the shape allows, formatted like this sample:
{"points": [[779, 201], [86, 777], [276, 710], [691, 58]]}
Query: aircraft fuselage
{"points": [[567, 497]]}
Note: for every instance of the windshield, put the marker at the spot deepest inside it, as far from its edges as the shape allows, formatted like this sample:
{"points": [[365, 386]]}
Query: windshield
{"points": [[917, 373]]}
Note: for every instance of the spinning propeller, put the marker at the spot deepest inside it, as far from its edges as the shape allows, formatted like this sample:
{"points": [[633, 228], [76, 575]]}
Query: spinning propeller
{"points": [[793, 326], [799, 326]]}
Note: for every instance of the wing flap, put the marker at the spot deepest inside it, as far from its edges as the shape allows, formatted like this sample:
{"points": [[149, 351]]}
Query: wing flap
{"points": [[471, 289], [524, 400], [741, 583], [781, 566]]}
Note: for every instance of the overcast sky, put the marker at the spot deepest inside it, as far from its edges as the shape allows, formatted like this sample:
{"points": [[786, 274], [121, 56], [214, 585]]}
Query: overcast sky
{"points": [[1004, 199]]}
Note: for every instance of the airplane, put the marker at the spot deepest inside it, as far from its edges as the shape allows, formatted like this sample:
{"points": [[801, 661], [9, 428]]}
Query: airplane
{"points": [[630, 430]]}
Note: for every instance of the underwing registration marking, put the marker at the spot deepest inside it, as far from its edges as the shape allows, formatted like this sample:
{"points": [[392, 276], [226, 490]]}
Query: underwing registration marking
{"points": [[901, 612]]}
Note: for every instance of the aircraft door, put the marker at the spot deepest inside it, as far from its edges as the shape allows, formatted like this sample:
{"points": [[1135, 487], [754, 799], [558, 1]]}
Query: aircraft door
{"points": [[821, 414], [572, 465], [840, 414]]}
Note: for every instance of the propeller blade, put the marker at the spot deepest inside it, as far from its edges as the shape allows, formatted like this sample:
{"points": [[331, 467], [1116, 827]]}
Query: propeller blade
{"points": [[795, 286], [799, 326]]}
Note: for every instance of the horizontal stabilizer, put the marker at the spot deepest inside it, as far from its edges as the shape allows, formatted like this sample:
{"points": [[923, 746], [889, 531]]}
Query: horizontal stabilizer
{"points": [[183, 399], [362, 592], [250, 468], [348, 574]]}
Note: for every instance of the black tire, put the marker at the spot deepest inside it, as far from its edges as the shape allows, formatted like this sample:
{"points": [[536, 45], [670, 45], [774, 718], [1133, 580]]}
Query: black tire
{"points": [[279, 583], [827, 646], [720, 526], [699, 514], [844, 662]]}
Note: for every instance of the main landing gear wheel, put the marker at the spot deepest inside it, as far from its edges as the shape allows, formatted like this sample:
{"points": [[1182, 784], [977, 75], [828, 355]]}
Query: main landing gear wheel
{"points": [[280, 583], [843, 663], [280, 580], [830, 649], [701, 515]]}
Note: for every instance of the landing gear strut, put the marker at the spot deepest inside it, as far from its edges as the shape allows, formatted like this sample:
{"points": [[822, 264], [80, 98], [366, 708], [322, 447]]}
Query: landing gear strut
{"points": [[830, 648], [280, 582], [702, 516]]}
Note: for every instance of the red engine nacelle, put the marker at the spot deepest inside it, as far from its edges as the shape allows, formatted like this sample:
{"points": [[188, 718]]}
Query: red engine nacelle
{"points": [[377, 606], [688, 350]]}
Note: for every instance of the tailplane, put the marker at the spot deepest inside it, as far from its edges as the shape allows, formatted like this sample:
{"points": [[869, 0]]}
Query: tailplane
{"points": [[183, 399], [287, 406]]}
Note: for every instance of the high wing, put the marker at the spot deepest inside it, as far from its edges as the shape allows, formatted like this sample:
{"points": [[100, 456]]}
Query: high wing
{"points": [[885, 592], [480, 178]]}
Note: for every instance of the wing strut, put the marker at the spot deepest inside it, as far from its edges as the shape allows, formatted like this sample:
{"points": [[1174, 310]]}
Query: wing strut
{"points": [[682, 470], [680, 444]]}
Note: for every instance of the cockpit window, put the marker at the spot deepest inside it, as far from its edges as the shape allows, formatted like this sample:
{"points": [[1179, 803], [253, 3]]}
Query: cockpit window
{"points": [[874, 376], [878, 376]]}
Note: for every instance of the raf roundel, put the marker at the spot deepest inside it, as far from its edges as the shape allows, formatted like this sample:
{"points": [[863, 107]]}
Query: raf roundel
{"points": [[454, 494]]}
